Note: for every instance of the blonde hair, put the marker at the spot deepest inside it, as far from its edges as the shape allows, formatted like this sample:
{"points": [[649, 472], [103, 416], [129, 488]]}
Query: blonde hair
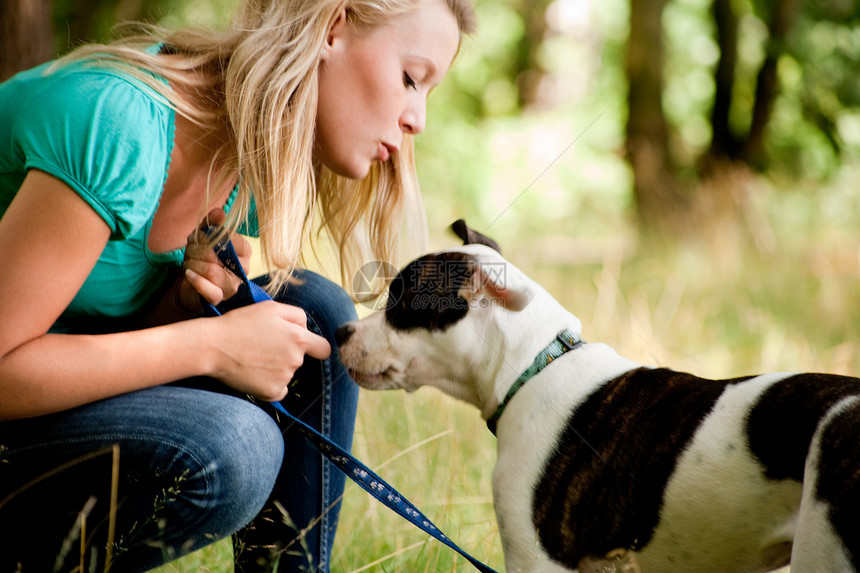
{"points": [[256, 84]]}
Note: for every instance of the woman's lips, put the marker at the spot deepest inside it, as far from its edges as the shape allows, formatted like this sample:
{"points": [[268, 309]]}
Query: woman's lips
{"points": [[386, 151]]}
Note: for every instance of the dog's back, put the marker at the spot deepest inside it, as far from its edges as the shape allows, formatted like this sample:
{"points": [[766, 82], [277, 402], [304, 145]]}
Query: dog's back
{"points": [[692, 474]]}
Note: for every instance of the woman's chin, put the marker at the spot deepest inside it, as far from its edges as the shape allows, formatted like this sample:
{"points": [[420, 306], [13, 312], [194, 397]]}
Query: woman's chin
{"points": [[358, 169]]}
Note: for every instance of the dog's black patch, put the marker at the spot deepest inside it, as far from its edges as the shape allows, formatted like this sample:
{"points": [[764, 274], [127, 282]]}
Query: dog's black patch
{"points": [[607, 493], [783, 420], [838, 477], [425, 294]]}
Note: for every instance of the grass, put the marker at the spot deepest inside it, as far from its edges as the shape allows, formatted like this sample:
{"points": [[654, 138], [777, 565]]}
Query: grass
{"points": [[779, 293]]}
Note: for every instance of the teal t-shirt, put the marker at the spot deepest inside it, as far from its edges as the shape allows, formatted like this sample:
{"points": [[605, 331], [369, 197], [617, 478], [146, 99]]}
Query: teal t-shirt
{"points": [[109, 138]]}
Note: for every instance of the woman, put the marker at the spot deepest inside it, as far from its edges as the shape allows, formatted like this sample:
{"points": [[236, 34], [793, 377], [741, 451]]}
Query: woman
{"points": [[116, 163]]}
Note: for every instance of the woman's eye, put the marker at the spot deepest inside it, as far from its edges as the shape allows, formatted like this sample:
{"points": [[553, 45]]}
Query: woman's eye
{"points": [[408, 81]]}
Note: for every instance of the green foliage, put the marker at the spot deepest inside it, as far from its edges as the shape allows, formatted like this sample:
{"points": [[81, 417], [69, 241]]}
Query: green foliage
{"points": [[196, 13], [480, 162], [691, 55], [814, 127], [812, 132]]}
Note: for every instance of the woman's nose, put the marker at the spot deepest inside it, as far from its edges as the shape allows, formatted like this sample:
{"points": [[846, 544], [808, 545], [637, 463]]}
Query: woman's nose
{"points": [[414, 118]]}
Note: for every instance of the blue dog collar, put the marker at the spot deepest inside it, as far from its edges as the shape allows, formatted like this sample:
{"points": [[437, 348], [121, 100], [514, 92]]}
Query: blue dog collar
{"points": [[564, 341]]}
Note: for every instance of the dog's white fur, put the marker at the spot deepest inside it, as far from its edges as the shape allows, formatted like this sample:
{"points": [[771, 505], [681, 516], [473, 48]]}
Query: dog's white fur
{"points": [[720, 513]]}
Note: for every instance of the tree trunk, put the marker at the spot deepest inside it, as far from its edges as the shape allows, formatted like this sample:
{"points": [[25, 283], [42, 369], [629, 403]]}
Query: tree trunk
{"points": [[656, 188], [528, 70], [782, 17], [26, 35], [724, 144]]}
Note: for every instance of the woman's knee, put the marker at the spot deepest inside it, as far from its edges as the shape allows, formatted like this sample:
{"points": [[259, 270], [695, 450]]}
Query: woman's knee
{"points": [[243, 457], [194, 466], [219, 455]]}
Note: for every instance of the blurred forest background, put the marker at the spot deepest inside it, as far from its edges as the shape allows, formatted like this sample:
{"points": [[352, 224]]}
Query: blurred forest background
{"points": [[684, 175], [672, 107]]}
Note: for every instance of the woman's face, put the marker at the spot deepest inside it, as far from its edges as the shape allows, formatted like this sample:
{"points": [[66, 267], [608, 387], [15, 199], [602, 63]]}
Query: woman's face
{"points": [[374, 83]]}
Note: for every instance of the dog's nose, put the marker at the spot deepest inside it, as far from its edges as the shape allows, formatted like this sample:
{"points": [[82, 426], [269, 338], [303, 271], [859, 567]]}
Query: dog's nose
{"points": [[343, 332]]}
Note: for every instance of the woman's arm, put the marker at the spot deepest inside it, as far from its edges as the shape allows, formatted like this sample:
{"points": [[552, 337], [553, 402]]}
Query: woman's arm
{"points": [[50, 239]]}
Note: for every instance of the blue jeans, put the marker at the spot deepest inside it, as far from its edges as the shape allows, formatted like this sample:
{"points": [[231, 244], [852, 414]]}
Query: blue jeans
{"points": [[196, 463]]}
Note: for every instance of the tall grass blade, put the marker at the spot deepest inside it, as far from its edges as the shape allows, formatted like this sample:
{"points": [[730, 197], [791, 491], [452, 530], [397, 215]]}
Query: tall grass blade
{"points": [[114, 494]]}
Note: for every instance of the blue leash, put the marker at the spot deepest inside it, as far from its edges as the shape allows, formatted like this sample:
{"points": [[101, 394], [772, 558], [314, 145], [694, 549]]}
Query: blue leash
{"points": [[354, 469]]}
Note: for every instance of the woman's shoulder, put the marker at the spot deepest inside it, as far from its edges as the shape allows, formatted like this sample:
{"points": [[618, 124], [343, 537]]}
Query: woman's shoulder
{"points": [[102, 131], [82, 86]]}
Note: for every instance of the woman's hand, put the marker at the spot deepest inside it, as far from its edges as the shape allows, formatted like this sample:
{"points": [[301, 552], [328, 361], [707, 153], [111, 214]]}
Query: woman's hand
{"points": [[259, 348], [204, 275]]}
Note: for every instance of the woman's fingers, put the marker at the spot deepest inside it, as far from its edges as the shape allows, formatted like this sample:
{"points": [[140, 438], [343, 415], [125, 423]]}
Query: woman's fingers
{"points": [[207, 275], [211, 292], [315, 345], [243, 251], [262, 346], [222, 283]]}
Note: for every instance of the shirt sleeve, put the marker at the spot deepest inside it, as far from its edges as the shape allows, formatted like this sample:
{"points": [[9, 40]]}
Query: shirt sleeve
{"points": [[106, 137]]}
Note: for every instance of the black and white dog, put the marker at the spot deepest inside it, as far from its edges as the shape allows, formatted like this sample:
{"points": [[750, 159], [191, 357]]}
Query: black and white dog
{"points": [[601, 459]]}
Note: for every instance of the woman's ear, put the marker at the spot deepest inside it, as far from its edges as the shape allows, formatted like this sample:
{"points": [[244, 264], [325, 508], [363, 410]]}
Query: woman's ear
{"points": [[335, 32]]}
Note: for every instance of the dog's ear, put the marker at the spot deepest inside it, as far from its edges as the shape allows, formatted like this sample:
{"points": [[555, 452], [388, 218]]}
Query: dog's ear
{"points": [[471, 236], [495, 286]]}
